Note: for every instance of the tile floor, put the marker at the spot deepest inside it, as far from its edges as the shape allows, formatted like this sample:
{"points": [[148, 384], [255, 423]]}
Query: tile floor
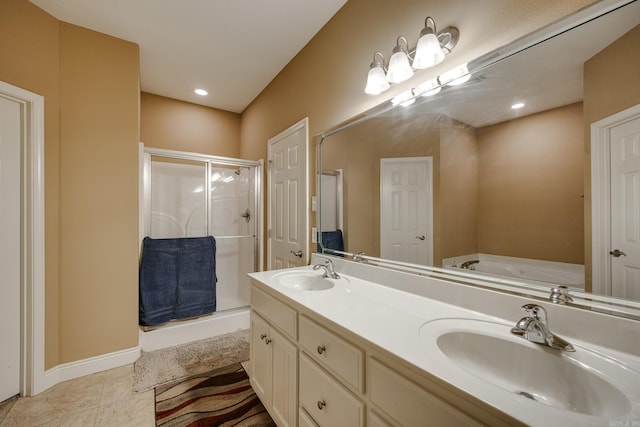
{"points": [[101, 399]]}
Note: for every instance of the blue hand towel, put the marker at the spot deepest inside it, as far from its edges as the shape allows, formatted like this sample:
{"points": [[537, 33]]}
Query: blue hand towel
{"points": [[332, 240], [177, 279]]}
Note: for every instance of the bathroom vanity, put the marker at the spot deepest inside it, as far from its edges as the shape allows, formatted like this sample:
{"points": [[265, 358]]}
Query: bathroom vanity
{"points": [[378, 347]]}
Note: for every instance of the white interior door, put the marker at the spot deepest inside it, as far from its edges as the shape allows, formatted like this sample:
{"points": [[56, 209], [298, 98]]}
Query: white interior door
{"points": [[625, 210], [10, 136], [406, 209], [288, 244]]}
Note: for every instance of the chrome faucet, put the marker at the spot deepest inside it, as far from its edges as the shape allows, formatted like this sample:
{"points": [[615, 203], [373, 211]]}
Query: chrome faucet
{"points": [[359, 257], [535, 328], [328, 269]]}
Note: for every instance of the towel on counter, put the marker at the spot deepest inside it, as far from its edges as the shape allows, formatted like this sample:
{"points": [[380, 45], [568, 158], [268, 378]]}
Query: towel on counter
{"points": [[177, 279], [332, 240]]}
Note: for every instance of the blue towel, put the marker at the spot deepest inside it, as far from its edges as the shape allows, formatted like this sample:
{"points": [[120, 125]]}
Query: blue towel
{"points": [[332, 240], [177, 279]]}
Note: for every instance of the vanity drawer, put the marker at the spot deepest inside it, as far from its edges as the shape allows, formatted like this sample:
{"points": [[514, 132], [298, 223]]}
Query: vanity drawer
{"points": [[342, 358], [328, 402], [276, 312], [409, 404]]}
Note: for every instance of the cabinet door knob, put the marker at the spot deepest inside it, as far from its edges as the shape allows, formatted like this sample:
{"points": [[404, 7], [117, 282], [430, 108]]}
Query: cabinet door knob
{"points": [[267, 341], [321, 349], [263, 336], [321, 404]]}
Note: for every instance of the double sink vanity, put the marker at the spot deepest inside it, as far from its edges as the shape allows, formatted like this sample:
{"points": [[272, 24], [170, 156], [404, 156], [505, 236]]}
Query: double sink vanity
{"points": [[378, 347]]}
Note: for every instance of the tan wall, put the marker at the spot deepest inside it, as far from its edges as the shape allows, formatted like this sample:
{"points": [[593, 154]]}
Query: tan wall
{"points": [[530, 186], [610, 85], [176, 125], [29, 51], [99, 93], [91, 90], [91, 134], [458, 207], [326, 80]]}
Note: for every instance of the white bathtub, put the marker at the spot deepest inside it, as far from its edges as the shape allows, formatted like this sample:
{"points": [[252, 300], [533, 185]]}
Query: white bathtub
{"points": [[571, 275]]}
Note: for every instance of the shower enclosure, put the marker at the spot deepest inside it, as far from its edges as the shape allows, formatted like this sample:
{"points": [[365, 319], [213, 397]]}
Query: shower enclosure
{"points": [[194, 195]]}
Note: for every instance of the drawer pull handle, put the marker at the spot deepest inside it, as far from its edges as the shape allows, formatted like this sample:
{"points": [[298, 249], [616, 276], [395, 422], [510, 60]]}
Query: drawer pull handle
{"points": [[321, 349], [263, 336], [321, 404], [267, 341]]}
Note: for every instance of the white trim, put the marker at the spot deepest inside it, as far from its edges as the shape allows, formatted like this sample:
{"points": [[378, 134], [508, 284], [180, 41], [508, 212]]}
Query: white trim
{"points": [[32, 328], [80, 368], [302, 124], [600, 197]]}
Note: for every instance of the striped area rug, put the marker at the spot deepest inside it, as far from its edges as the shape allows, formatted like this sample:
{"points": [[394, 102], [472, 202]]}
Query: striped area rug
{"points": [[222, 397]]}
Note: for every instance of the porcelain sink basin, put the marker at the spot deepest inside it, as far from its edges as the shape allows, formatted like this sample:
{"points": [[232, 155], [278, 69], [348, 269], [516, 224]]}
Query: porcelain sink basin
{"points": [[486, 356], [306, 280]]}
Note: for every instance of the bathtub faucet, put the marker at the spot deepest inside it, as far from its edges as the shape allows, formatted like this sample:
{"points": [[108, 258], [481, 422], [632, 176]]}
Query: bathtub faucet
{"points": [[535, 328], [329, 271]]}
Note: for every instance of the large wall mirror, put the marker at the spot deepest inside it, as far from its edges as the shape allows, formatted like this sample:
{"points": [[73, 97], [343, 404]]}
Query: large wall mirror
{"points": [[460, 181]]}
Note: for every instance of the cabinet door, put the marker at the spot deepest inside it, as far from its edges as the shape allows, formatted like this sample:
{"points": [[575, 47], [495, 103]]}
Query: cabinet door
{"points": [[260, 354], [284, 357]]}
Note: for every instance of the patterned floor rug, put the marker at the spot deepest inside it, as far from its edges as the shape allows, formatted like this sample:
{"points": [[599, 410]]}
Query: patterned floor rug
{"points": [[222, 397]]}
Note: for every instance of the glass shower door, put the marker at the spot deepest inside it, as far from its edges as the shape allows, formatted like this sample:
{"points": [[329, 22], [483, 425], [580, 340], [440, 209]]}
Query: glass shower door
{"points": [[232, 221]]}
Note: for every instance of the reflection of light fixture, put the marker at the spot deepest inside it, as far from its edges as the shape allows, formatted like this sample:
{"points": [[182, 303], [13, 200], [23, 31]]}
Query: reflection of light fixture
{"points": [[428, 88], [228, 179], [517, 105], [404, 99], [198, 189], [216, 176], [456, 76], [429, 51], [376, 80]]}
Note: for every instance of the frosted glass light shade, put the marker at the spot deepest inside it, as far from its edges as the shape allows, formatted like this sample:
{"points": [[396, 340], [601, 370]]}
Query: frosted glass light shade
{"points": [[399, 68], [428, 52], [376, 81]]}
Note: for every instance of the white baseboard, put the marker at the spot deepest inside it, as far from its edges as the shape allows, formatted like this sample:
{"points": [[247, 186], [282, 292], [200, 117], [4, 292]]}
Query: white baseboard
{"points": [[80, 368]]}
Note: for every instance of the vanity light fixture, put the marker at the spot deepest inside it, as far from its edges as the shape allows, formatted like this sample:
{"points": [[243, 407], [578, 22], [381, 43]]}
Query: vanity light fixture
{"points": [[429, 51], [201, 92]]}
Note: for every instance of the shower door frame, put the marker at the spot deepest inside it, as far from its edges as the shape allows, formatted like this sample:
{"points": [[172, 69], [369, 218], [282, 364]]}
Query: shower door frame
{"points": [[145, 190]]}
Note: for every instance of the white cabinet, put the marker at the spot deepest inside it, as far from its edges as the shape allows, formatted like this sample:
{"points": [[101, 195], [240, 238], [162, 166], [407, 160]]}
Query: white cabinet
{"points": [[274, 371], [325, 399], [309, 373]]}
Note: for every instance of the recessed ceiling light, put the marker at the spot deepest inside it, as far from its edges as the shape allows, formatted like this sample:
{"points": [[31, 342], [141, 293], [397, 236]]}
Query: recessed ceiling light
{"points": [[201, 92], [517, 105]]}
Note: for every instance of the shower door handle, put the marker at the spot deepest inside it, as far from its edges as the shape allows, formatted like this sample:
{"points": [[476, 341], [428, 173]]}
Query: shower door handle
{"points": [[297, 253]]}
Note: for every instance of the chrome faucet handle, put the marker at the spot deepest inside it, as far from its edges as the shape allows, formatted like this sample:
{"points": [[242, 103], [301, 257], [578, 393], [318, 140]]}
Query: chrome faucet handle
{"points": [[537, 312]]}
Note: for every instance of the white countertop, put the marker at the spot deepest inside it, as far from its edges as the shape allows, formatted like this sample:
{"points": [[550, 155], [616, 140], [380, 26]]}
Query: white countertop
{"points": [[391, 319]]}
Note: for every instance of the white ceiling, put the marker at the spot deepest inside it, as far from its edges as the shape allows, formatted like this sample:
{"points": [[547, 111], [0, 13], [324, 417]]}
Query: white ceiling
{"points": [[231, 48]]}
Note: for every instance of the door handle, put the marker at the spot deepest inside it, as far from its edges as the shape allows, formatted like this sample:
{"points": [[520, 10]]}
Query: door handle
{"points": [[616, 253], [420, 237], [297, 253]]}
